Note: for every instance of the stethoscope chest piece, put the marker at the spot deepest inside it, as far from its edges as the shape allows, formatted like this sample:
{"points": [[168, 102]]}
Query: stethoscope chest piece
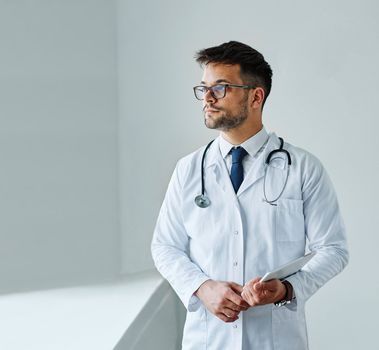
{"points": [[202, 201]]}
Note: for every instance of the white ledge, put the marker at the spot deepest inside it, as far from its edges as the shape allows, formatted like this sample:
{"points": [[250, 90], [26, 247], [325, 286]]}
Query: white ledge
{"points": [[86, 317]]}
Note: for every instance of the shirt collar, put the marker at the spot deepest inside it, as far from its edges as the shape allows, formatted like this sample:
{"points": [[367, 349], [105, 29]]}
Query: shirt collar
{"points": [[251, 145]]}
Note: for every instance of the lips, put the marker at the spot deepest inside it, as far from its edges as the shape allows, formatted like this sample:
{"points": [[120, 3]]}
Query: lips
{"points": [[211, 110]]}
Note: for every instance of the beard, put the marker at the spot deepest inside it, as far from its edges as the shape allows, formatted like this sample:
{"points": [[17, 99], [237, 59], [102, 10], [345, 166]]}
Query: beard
{"points": [[224, 120]]}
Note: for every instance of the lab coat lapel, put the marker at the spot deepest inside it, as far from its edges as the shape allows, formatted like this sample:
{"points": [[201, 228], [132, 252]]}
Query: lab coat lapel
{"points": [[257, 170], [213, 167], [217, 171]]}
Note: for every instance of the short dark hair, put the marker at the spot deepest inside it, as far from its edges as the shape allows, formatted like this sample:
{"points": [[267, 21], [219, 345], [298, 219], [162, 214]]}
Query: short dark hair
{"points": [[254, 69]]}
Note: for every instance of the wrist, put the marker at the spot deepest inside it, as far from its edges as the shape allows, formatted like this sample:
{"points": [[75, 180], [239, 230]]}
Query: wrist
{"points": [[289, 291], [288, 296], [201, 288], [284, 292]]}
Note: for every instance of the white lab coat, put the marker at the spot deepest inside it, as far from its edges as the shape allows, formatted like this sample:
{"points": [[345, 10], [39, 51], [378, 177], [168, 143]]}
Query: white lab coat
{"points": [[239, 237]]}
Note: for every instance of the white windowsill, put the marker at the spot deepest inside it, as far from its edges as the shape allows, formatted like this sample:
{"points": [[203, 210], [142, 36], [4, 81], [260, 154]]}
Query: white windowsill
{"points": [[87, 317]]}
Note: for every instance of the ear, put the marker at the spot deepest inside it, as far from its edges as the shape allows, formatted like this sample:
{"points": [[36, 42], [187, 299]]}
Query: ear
{"points": [[257, 97]]}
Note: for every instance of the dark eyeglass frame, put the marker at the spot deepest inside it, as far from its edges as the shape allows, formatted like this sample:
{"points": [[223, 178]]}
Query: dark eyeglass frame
{"points": [[212, 89]]}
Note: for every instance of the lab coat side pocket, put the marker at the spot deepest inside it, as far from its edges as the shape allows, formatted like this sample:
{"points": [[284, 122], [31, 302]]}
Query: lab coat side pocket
{"points": [[290, 220], [289, 330], [195, 330]]}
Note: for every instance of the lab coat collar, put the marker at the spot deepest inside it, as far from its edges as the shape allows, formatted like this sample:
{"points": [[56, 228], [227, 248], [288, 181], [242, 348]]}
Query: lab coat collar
{"points": [[221, 147], [214, 153], [257, 171], [252, 145], [214, 159]]}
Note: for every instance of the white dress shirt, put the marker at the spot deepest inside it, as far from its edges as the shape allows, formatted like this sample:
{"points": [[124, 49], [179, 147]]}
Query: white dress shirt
{"points": [[253, 146]]}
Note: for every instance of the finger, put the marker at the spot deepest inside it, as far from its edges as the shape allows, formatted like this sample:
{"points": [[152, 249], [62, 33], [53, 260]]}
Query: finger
{"points": [[263, 289], [230, 313], [259, 289], [236, 299], [246, 296], [253, 281], [249, 298], [257, 295], [266, 290], [260, 292], [272, 285], [230, 305], [236, 287], [250, 291], [224, 318]]}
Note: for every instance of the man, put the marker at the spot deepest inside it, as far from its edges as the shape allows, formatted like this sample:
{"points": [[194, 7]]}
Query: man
{"points": [[252, 218]]}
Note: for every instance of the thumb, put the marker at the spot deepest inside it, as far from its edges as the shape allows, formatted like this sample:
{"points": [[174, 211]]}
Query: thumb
{"points": [[257, 286], [253, 281], [236, 287]]}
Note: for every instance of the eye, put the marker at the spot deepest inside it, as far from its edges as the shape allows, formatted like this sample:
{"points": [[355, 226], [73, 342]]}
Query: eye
{"points": [[218, 88]]}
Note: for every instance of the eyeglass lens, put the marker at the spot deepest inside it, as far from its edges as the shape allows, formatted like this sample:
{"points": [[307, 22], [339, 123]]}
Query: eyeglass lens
{"points": [[218, 91]]}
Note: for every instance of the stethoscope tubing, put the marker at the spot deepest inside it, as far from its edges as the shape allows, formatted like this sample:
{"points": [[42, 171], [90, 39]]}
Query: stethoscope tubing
{"points": [[203, 201], [202, 167]]}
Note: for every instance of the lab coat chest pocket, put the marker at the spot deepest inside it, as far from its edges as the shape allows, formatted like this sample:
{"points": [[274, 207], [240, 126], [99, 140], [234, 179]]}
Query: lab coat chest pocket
{"points": [[289, 220]]}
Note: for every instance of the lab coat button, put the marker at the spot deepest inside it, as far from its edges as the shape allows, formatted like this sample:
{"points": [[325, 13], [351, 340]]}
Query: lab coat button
{"points": [[235, 263], [236, 232], [235, 326]]}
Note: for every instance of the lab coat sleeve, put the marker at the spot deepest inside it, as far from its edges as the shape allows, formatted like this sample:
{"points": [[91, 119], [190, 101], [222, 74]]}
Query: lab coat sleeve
{"points": [[325, 231], [169, 247]]}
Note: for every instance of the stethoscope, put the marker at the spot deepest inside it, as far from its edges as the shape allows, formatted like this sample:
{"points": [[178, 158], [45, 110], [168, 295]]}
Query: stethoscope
{"points": [[202, 200]]}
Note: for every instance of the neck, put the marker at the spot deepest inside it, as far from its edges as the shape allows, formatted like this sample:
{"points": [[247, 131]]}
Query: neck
{"points": [[237, 136]]}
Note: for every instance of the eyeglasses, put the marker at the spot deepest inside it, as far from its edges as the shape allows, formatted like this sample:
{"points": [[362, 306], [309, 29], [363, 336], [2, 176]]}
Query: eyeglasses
{"points": [[217, 91]]}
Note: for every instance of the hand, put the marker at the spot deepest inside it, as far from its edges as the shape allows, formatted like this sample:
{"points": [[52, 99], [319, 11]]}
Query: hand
{"points": [[256, 293], [223, 299]]}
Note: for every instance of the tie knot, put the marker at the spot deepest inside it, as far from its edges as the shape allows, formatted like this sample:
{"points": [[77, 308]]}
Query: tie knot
{"points": [[238, 154]]}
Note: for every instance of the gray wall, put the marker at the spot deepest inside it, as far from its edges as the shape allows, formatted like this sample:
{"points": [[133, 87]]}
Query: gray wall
{"points": [[58, 136], [324, 58]]}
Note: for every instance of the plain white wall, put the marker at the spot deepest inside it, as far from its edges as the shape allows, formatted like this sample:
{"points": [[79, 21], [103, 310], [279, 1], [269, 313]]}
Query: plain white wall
{"points": [[58, 136], [324, 56]]}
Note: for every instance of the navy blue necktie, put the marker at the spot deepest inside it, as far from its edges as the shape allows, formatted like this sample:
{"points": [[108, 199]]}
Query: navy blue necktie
{"points": [[236, 174]]}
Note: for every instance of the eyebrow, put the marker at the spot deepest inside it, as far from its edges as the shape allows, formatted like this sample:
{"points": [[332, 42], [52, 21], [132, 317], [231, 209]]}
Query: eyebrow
{"points": [[218, 81]]}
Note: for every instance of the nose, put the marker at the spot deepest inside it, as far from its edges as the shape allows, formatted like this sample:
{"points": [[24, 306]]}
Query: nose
{"points": [[208, 97]]}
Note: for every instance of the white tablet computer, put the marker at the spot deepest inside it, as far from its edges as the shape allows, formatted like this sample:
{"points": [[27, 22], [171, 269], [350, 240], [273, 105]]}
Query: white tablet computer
{"points": [[288, 269]]}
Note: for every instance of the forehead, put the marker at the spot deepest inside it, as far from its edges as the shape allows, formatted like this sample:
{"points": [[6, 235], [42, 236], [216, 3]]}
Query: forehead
{"points": [[218, 72]]}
